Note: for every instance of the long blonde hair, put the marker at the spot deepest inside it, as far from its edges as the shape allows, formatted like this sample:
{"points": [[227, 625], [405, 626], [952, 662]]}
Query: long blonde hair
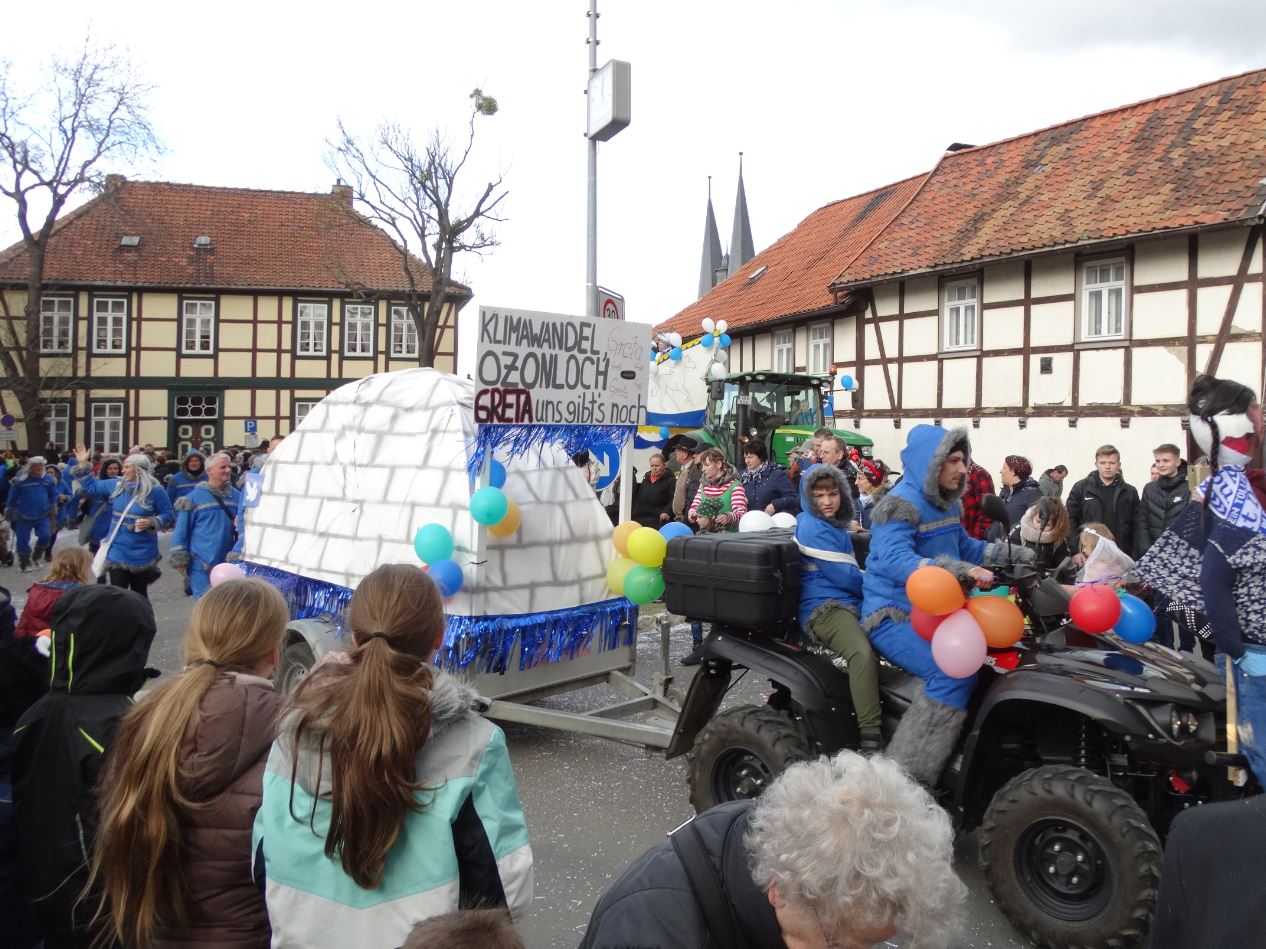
{"points": [[371, 716], [71, 565], [137, 859]]}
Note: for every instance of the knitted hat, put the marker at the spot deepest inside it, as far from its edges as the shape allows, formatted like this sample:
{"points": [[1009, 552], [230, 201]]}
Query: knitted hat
{"points": [[1020, 466], [874, 471]]}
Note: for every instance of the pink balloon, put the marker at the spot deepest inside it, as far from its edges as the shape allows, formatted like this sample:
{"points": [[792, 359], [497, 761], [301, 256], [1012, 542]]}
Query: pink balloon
{"points": [[224, 572], [958, 645]]}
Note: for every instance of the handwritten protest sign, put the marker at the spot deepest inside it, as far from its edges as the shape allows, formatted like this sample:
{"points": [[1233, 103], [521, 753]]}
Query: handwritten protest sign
{"points": [[548, 369]]}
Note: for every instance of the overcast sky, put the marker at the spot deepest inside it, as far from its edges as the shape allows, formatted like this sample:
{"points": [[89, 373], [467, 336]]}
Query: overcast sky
{"points": [[826, 100]]}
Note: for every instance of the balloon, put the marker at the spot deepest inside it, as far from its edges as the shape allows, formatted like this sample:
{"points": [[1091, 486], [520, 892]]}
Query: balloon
{"points": [[618, 571], [754, 522], [721, 356], [674, 339], [496, 474], [934, 590], [708, 324], [675, 354], [664, 432], [621, 537], [722, 326], [647, 546], [1137, 622], [716, 371], [654, 368], [1094, 609], [433, 542], [725, 339], [674, 529], [958, 645], [224, 572], [924, 623], [489, 505], [785, 520], [846, 382], [447, 576], [999, 619], [643, 584], [706, 341], [508, 524]]}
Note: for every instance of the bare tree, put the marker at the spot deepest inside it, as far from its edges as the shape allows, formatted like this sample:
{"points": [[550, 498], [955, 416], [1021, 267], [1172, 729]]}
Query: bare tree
{"points": [[413, 194], [55, 142]]}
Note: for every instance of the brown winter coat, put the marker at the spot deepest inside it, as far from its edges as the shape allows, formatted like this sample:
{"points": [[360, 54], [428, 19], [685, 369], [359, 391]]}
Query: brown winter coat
{"points": [[224, 754]]}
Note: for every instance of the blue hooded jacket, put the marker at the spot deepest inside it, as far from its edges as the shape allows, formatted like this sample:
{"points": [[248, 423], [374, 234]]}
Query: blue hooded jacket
{"points": [[829, 571], [132, 549], [182, 482], [31, 499], [916, 524], [205, 533]]}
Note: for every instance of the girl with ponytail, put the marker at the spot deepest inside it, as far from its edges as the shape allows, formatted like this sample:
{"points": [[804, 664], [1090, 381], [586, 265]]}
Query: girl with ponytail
{"points": [[387, 798], [182, 784]]}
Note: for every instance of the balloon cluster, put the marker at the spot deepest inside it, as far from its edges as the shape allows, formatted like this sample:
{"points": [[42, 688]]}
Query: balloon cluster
{"points": [[1097, 609], [961, 631], [491, 507], [717, 339], [636, 572], [433, 544], [757, 521]]}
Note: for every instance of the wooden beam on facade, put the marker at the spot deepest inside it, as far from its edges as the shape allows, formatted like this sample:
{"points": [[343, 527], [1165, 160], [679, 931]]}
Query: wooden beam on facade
{"points": [[883, 355], [1233, 301]]}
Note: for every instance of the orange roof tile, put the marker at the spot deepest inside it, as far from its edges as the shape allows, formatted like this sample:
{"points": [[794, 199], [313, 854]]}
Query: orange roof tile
{"points": [[800, 265], [1194, 158], [259, 240]]}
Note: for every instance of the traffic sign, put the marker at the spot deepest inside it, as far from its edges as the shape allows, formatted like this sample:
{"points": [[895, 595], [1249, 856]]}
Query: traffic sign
{"points": [[8, 438], [8, 421], [607, 456], [611, 304], [252, 426]]}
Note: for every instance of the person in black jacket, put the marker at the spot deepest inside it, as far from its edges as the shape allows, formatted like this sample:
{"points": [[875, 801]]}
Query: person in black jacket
{"points": [[1019, 490], [653, 499], [797, 867], [1104, 496], [1163, 499], [1202, 900], [100, 643], [766, 485]]}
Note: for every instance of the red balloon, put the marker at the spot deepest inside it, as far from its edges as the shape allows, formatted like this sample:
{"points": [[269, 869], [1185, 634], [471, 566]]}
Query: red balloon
{"points": [[1095, 609], [924, 623]]}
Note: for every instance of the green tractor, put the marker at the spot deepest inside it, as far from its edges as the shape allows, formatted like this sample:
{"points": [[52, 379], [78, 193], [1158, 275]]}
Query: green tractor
{"points": [[783, 410]]}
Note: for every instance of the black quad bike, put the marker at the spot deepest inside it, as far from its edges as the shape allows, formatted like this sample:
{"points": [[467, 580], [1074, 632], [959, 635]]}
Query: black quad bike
{"points": [[1077, 753]]}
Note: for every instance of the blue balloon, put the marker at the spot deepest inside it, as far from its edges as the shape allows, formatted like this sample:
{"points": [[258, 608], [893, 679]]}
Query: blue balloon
{"points": [[664, 432], [1137, 622], [447, 576], [674, 529], [489, 505], [675, 354], [497, 474], [433, 542], [706, 341], [725, 340], [846, 382]]}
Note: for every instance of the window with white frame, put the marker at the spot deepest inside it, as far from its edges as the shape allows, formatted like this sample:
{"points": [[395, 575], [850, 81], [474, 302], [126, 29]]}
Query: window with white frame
{"points": [[404, 333], [57, 318], [783, 341], [820, 349], [1103, 300], [197, 327], [302, 407], [358, 329], [57, 414], [109, 324], [311, 322], [106, 427], [960, 315]]}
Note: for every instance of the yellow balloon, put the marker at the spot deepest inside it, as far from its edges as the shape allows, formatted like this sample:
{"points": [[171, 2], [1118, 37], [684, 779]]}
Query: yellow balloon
{"points": [[508, 524], [647, 546], [621, 537], [616, 573]]}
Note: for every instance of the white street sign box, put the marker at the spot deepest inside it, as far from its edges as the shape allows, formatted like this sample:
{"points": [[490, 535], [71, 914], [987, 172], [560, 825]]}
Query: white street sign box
{"points": [[549, 369], [8, 437]]}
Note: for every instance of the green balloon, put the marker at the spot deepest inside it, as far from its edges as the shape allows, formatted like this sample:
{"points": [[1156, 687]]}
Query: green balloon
{"points": [[644, 584]]}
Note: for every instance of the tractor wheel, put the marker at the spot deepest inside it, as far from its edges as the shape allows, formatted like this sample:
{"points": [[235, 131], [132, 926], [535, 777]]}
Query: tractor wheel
{"points": [[296, 662], [739, 752]]}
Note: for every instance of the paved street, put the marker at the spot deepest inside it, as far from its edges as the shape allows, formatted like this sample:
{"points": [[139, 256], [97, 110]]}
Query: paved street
{"points": [[592, 805]]}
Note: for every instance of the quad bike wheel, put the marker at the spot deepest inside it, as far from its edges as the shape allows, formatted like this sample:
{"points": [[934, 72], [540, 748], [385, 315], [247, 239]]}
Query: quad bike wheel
{"points": [[1071, 859], [739, 752], [296, 662]]}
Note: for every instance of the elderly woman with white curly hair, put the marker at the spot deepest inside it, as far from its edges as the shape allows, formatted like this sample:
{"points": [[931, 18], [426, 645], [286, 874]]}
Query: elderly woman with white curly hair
{"points": [[839, 853], [140, 508]]}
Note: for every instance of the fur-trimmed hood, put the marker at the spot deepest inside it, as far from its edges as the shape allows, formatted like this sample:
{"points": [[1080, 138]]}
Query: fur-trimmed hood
{"points": [[842, 517], [926, 450]]}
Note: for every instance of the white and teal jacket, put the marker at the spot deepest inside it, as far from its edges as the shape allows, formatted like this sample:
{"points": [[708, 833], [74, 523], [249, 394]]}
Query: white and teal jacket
{"points": [[467, 846]]}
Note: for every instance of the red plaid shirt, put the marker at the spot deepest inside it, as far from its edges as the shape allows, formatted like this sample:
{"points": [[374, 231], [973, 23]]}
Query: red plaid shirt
{"points": [[978, 485]]}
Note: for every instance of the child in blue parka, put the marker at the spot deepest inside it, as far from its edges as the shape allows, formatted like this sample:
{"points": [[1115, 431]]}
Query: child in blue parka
{"points": [[32, 498], [831, 590]]}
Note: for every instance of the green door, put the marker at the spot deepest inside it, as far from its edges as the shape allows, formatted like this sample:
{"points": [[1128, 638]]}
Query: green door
{"points": [[196, 417]]}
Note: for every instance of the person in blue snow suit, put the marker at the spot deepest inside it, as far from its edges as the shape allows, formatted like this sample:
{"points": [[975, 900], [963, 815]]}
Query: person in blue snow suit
{"points": [[192, 472], [831, 590], [140, 508], [31, 500], [98, 509], [62, 509], [206, 525], [918, 524]]}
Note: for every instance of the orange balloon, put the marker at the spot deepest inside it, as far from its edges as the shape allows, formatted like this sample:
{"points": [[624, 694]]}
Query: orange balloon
{"points": [[934, 590], [621, 537], [999, 619], [508, 524]]}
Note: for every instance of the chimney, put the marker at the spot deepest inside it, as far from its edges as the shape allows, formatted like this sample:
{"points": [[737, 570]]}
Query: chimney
{"points": [[342, 193], [114, 182]]}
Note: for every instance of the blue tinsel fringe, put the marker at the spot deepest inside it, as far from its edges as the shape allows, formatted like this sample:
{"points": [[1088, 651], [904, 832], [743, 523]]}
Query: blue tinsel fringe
{"points": [[480, 643], [517, 440]]}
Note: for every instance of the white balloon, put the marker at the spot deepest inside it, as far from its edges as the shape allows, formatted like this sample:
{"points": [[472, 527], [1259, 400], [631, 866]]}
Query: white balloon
{"points": [[722, 326], [784, 519], [709, 324], [716, 371], [721, 356], [674, 339], [754, 522]]}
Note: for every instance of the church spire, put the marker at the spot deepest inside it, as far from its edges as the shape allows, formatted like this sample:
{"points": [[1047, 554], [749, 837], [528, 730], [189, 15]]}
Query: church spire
{"points": [[711, 249], [741, 249]]}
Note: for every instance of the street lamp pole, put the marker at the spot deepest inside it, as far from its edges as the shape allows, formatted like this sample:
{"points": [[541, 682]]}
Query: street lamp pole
{"points": [[591, 236]]}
